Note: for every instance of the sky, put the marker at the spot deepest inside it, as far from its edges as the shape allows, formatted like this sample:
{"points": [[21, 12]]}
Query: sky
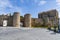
{"points": [[32, 7]]}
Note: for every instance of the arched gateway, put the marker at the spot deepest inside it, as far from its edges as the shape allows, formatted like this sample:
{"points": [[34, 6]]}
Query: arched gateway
{"points": [[4, 22], [14, 20]]}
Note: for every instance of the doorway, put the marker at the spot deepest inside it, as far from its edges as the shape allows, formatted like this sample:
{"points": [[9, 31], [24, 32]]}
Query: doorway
{"points": [[21, 24], [4, 23]]}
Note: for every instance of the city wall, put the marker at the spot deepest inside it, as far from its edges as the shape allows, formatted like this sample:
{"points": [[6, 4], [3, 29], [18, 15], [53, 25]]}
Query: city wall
{"points": [[44, 18]]}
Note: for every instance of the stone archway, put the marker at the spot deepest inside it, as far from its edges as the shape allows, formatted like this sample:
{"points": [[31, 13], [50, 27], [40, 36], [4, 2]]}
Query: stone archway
{"points": [[4, 22], [21, 24]]}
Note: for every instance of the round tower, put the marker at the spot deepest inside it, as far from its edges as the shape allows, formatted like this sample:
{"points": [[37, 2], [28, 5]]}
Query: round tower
{"points": [[16, 19], [27, 20]]}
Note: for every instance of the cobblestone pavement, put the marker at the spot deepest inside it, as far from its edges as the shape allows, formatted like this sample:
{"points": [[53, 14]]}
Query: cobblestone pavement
{"points": [[28, 34]]}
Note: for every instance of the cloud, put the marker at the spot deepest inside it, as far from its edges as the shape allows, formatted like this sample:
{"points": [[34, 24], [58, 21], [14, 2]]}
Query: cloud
{"points": [[15, 9], [5, 3], [58, 2], [58, 6], [42, 2], [35, 1], [7, 7], [22, 1]]}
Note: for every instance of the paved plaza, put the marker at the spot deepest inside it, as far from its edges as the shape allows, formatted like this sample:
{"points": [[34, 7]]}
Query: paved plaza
{"points": [[28, 34]]}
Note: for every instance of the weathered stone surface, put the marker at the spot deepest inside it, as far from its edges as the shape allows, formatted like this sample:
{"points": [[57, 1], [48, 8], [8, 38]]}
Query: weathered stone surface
{"points": [[27, 20], [51, 16], [43, 18], [36, 22], [16, 19], [4, 17]]}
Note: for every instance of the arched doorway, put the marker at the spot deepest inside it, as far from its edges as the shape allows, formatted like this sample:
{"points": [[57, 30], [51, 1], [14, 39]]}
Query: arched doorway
{"points": [[5, 23], [21, 24]]}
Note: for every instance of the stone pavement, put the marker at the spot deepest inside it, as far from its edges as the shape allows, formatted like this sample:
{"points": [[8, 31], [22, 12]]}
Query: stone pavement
{"points": [[27, 34]]}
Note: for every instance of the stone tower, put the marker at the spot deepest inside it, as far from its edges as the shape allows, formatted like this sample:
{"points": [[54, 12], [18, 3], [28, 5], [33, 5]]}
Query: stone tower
{"points": [[16, 19], [27, 20]]}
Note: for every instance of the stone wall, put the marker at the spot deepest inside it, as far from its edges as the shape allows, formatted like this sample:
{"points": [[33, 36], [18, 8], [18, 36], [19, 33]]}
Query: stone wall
{"points": [[6, 17], [36, 22], [16, 19], [27, 20], [51, 16], [43, 18]]}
